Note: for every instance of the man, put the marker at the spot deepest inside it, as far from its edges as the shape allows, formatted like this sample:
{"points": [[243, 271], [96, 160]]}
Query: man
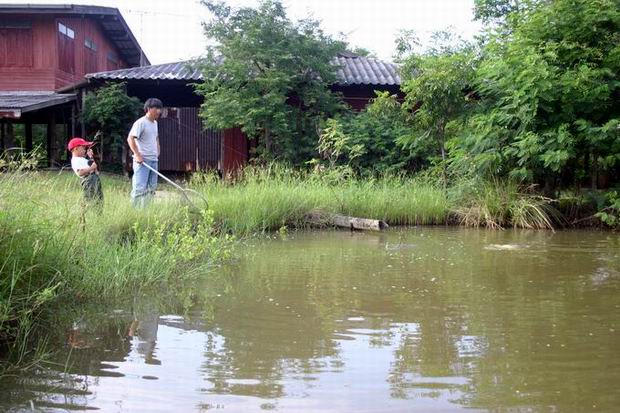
{"points": [[143, 141]]}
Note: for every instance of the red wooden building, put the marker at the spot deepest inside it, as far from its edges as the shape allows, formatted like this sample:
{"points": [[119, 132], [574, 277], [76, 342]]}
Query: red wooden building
{"points": [[45, 52]]}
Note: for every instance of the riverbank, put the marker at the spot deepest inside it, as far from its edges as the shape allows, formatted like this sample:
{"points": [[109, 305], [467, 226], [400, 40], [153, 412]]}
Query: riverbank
{"points": [[53, 251], [50, 256], [268, 199]]}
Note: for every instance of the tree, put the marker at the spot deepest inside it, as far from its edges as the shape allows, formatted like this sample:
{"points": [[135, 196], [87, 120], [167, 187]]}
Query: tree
{"points": [[110, 111], [367, 141], [436, 84], [549, 95], [268, 75], [501, 11], [362, 51]]}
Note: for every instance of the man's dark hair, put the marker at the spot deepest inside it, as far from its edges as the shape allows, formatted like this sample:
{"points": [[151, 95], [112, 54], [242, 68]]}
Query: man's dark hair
{"points": [[152, 103]]}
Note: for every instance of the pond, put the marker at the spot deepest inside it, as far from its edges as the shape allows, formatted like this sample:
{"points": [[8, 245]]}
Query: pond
{"points": [[422, 319]]}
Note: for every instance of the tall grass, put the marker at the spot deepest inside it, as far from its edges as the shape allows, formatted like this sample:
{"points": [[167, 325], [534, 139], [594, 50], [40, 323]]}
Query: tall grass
{"points": [[499, 204], [48, 254], [265, 199]]}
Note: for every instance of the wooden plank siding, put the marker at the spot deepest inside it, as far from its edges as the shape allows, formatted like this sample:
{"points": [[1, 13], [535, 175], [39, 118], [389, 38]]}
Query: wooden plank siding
{"points": [[86, 60], [16, 47], [235, 151], [39, 57], [41, 74], [185, 145]]}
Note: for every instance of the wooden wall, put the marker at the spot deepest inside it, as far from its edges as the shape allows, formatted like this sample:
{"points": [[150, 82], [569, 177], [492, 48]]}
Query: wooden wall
{"points": [[29, 57]]}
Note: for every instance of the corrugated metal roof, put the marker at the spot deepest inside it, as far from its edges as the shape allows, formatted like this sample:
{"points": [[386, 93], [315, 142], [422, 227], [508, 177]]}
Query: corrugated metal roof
{"points": [[166, 71], [351, 70], [21, 102]]}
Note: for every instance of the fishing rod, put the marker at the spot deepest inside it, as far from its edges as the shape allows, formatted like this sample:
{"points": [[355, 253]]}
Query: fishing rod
{"points": [[186, 192]]}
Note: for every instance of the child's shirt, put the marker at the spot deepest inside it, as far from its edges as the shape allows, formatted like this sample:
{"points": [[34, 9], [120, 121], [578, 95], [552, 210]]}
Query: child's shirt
{"points": [[77, 163]]}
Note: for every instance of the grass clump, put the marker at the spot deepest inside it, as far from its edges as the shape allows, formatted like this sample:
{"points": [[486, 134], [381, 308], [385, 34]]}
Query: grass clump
{"points": [[266, 199], [500, 204]]}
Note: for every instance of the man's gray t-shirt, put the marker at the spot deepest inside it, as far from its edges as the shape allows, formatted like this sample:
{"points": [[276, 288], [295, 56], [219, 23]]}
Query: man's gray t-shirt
{"points": [[145, 131]]}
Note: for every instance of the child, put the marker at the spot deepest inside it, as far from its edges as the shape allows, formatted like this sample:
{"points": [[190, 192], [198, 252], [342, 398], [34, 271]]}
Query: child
{"points": [[87, 170]]}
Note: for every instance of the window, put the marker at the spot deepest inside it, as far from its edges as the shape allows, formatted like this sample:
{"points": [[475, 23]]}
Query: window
{"points": [[67, 31], [112, 61], [90, 56], [15, 23], [66, 48], [90, 44], [15, 42]]}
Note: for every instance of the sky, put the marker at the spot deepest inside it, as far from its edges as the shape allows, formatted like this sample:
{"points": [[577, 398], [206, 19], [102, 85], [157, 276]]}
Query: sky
{"points": [[171, 30]]}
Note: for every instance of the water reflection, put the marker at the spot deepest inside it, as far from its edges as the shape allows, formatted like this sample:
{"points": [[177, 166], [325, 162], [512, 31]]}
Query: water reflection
{"points": [[427, 320]]}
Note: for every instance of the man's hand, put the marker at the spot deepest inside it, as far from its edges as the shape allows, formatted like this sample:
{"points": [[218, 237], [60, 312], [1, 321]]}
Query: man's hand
{"points": [[138, 157], [93, 167]]}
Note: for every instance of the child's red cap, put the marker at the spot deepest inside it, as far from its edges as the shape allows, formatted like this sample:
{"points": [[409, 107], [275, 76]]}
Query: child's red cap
{"points": [[75, 142]]}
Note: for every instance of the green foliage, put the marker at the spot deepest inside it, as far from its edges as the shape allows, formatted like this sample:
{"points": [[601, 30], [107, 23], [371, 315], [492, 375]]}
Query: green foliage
{"points": [[368, 141], [188, 239], [110, 111], [362, 51], [610, 214], [549, 107], [499, 11], [335, 143], [436, 84], [269, 76]]}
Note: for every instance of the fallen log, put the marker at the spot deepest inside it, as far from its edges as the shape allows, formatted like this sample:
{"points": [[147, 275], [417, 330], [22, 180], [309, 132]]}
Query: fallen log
{"points": [[353, 223]]}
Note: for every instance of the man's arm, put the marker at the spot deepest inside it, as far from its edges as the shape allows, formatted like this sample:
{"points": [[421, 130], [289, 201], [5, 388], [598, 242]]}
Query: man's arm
{"points": [[131, 140], [158, 149]]}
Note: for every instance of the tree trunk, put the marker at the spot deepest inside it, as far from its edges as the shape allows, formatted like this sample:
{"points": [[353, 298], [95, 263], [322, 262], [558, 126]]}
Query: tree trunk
{"points": [[352, 223], [594, 171], [268, 141], [586, 168], [442, 145], [298, 120], [550, 185]]}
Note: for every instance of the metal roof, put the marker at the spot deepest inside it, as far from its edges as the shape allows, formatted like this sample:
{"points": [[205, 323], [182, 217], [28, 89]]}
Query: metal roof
{"points": [[111, 20], [167, 71], [351, 70], [359, 70], [13, 104]]}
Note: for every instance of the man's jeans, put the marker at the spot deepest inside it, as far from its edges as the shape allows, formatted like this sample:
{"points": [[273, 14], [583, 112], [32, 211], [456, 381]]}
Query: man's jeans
{"points": [[144, 182]]}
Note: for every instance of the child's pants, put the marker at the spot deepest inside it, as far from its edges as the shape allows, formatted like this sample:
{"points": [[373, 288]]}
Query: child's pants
{"points": [[93, 194], [144, 183], [93, 197]]}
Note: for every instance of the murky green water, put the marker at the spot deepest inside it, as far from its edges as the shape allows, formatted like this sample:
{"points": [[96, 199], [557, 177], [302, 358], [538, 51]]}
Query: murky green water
{"points": [[426, 320]]}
